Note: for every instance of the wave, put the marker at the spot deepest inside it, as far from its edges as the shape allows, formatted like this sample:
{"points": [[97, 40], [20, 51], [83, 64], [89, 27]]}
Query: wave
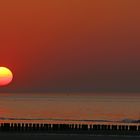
{"points": [[69, 120], [53, 119]]}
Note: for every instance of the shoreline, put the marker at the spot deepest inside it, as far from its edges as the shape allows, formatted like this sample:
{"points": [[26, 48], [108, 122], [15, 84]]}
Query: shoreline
{"points": [[81, 129], [42, 136]]}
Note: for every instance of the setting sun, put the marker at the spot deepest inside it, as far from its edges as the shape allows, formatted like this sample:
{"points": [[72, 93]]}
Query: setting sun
{"points": [[6, 76]]}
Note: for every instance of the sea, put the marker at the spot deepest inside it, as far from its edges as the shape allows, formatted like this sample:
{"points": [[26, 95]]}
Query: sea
{"points": [[70, 107]]}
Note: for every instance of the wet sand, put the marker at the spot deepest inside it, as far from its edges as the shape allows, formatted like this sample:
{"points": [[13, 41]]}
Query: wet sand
{"points": [[30, 136]]}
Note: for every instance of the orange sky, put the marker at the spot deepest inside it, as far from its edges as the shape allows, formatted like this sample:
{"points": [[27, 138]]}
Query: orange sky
{"points": [[71, 45]]}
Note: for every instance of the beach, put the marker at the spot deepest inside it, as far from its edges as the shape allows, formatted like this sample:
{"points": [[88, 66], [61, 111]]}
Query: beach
{"points": [[42, 136]]}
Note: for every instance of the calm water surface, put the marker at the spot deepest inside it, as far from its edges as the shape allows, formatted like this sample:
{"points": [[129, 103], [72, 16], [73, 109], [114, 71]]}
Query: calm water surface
{"points": [[69, 107]]}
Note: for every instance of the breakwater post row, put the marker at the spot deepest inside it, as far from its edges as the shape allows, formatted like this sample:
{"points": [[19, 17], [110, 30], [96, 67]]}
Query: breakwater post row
{"points": [[71, 128]]}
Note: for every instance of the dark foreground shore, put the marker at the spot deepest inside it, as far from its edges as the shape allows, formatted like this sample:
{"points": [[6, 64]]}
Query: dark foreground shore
{"points": [[31, 136], [29, 131]]}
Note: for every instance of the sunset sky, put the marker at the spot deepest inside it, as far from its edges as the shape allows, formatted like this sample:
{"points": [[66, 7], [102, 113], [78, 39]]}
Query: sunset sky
{"points": [[71, 45]]}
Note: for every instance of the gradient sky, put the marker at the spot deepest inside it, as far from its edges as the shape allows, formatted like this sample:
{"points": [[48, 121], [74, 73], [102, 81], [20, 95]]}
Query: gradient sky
{"points": [[71, 45]]}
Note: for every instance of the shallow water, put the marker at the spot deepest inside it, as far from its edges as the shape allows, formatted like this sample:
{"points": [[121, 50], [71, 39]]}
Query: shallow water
{"points": [[69, 107]]}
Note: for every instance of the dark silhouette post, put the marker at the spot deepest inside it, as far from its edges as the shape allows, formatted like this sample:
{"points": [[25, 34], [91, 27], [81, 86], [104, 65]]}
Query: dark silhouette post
{"points": [[70, 128]]}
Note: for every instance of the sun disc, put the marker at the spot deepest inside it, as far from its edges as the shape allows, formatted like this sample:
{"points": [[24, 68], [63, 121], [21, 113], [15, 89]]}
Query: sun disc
{"points": [[6, 76]]}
